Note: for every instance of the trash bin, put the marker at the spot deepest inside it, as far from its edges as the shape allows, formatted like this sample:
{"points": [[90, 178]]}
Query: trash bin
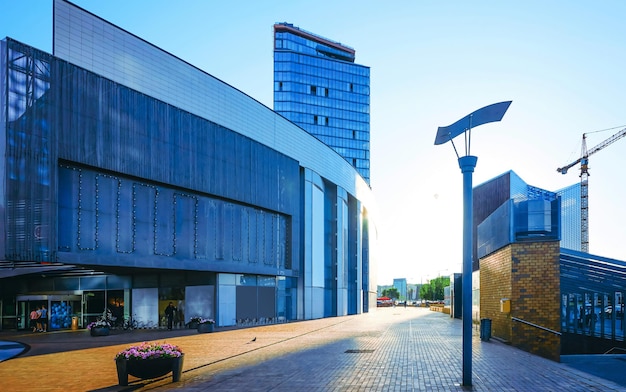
{"points": [[74, 323], [485, 329]]}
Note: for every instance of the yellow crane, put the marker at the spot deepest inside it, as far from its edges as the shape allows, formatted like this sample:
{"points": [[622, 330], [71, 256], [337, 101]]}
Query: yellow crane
{"points": [[584, 183]]}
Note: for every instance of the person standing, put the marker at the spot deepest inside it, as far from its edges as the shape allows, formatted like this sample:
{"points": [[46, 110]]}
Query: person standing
{"points": [[33, 319], [170, 311], [44, 318]]}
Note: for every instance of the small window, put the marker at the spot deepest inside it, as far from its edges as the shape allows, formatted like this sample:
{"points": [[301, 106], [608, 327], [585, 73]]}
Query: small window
{"points": [[326, 91], [313, 90], [326, 121], [353, 134], [351, 88], [314, 119], [280, 86]]}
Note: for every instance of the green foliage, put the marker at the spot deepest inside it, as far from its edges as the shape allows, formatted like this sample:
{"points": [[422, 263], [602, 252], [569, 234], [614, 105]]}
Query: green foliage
{"points": [[391, 293], [433, 291]]}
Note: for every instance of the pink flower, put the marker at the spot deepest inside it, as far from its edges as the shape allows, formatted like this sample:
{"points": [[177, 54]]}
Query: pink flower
{"points": [[150, 350]]}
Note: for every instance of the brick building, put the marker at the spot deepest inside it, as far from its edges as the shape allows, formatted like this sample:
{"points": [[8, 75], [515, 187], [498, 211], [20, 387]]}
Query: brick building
{"points": [[529, 286]]}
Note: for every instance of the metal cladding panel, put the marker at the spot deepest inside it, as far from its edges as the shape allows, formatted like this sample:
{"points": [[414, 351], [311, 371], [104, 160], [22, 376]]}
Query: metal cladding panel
{"points": [[112, 127], [486, 199], [95, 44], [107, 219], [583, 272], [3, 140], [30, 156], [139, 181], [495, 231]]}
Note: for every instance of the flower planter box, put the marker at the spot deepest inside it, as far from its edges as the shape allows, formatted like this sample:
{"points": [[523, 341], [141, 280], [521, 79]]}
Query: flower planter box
{"points": [[148, 368], [206, 327], [193, 325], [99, 331]]}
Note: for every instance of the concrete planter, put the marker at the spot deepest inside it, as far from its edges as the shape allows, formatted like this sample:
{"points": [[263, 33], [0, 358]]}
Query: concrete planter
{"points": [[148, 368], [206, 327], [99, 331]]}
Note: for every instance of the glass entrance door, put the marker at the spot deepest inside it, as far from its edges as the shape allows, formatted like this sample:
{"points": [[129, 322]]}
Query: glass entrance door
{"points": [[61, 310], [23, 312], [26, 304]]}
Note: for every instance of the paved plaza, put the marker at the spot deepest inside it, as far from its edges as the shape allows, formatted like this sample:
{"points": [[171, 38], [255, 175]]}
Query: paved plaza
{"points": [[390, 349]]}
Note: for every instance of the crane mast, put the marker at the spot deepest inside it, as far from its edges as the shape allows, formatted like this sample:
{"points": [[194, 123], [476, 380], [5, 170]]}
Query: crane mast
{"points": [[584, 183]]}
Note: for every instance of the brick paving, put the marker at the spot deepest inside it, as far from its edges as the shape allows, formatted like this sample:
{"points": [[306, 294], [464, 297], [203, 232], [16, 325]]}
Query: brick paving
{"points": [[390, 349]]}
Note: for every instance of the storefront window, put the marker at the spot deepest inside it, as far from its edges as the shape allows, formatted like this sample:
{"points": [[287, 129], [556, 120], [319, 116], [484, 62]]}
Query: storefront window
{"points": [[175, 295]]}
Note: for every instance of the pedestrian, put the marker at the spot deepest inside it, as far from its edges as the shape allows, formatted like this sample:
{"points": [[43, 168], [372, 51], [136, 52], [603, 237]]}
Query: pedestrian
{"points": [[44, 318], [33, 319], [170, 311]]}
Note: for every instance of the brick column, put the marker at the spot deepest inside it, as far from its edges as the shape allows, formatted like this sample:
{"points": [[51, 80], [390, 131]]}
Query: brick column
{"points": [[528, 274]]}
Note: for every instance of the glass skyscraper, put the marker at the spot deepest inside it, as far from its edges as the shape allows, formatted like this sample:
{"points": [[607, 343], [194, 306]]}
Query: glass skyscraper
{"points": [[319, 87]]}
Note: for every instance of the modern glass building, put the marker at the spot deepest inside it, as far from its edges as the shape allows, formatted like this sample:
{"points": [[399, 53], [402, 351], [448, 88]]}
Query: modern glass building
{"points": [[401, 285], [319, 87], [123, 188], [507, 209], [571, 237]]}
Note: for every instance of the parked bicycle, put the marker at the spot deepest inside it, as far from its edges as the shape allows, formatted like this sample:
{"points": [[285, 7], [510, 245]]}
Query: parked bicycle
{"points": [[130, 324]]}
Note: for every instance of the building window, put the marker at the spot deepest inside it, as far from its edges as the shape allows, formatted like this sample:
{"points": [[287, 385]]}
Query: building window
{"points": [[353, 134], [280, 86], [313, 90], [326, 121], [351, 88], [326, 91], [315, 119]]}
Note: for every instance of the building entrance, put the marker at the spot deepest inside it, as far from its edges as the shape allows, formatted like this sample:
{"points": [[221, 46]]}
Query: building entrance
{"points": [[61, 309]]}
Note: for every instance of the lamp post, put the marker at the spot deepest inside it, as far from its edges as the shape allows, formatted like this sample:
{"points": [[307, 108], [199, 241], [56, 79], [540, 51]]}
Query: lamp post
{"points": [[467, 163]]}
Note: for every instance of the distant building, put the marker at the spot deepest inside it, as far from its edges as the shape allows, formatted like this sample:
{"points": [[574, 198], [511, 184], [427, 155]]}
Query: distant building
{"points": [[400, 284], [412, 292], [319, 87], [570, 217], [381, 289]]}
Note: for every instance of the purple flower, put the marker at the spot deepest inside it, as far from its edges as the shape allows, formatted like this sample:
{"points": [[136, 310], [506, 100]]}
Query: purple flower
{"points": [[150, 350]]}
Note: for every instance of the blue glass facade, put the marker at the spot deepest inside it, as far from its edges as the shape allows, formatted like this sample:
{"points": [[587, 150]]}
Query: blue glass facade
{"points": [[318, 86], [127, 193], [592, 303], [570, 217]]}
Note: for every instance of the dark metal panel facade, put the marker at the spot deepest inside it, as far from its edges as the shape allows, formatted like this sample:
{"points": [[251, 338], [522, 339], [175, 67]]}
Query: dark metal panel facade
{"points": [[30, 156], [487, 198], [140, 182]]}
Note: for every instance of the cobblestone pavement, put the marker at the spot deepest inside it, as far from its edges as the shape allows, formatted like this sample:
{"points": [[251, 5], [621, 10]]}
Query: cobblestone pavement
{"points": [[390, 349]]}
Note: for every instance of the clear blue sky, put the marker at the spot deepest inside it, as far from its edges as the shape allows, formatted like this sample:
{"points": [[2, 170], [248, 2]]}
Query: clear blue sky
{"points": [[560, 62]]}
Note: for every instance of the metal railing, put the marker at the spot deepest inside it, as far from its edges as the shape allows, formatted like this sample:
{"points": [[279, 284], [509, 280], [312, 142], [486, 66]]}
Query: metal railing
{"points": [[536, 326]]}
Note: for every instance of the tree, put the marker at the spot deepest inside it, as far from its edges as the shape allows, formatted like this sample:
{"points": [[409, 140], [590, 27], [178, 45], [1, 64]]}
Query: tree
{"points": [[426, 292], [433, 291], [391, 292]]}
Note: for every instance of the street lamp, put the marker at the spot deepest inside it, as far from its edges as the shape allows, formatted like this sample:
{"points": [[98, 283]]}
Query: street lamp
{"points": [[467, 163]]}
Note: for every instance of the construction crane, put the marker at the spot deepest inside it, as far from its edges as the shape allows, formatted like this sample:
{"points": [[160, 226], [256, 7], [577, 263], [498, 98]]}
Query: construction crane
{"points": [[584, 183]]}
